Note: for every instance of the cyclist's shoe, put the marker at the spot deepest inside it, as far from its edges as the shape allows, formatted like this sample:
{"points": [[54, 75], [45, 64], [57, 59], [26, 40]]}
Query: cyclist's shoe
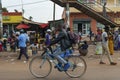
{"points": [[66, 66], [59, 64]]}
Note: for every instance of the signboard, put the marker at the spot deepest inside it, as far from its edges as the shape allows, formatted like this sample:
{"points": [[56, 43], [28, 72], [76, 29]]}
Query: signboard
{"points": [[11, 19]]}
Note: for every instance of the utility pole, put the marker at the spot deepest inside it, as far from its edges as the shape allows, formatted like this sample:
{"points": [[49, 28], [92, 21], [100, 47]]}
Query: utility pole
{"points": [[54, 7], [22, 8], [68, 14], [1, 27]]}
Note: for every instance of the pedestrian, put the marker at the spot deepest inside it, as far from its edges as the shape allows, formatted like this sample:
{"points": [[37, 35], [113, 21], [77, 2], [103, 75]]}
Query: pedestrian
{"points": [[13, 44], [22, 45], [17, 42], [118, 45], [105, 48], [110, 42], [90, 35], [116, 33], [48, 37], [5, 45], [98, 39], [1, 46]]}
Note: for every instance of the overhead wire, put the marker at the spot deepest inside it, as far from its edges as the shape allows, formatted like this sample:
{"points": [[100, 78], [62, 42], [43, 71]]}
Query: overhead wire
{"points": [[27, 3]]}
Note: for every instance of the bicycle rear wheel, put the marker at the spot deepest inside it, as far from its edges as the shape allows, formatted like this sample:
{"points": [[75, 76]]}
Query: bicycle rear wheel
{"points": [[77, 67], [40, 67]]}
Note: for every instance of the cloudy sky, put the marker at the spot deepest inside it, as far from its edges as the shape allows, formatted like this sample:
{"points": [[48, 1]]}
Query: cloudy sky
{"points": [[40, 10]]}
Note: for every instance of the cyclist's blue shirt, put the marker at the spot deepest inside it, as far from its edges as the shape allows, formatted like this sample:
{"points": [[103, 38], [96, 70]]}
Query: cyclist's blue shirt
{"points": [[22, 40]]}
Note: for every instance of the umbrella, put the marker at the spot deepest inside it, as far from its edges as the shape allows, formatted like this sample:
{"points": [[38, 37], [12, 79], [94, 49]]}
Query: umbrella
{"points": [[44, 25], [22, 26]]}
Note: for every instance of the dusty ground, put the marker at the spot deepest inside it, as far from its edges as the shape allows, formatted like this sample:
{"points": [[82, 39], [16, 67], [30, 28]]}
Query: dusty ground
{"points": [[12, 69]]}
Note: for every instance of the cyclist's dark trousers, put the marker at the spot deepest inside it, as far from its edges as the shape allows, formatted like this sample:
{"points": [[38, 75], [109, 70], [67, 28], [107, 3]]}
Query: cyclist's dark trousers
{"points": [[23, 51]]}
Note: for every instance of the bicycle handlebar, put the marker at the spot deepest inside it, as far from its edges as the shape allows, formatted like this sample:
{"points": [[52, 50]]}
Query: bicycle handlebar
{"points": [[46, 49]]}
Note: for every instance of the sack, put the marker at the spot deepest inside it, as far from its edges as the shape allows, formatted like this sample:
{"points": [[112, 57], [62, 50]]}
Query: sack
{"points": [[83, 52], [73, 37], [83, 49]]}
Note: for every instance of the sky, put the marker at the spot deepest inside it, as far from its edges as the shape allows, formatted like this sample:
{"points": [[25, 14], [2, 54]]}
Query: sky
{"points": [[40, 10]]}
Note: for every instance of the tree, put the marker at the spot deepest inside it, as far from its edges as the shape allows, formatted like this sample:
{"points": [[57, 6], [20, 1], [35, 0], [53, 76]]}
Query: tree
{"points": [[4, 9], [15, 10], [30, 18]]}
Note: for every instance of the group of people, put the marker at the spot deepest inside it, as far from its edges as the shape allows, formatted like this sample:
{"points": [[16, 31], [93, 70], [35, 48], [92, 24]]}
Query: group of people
{"points": [[105, 40]]}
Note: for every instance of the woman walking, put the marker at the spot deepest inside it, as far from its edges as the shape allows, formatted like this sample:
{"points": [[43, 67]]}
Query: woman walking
{"points": [[98, 39], [110, 43]]}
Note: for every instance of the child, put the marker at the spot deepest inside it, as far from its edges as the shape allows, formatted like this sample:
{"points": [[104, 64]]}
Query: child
{"points": [[34, 48]]}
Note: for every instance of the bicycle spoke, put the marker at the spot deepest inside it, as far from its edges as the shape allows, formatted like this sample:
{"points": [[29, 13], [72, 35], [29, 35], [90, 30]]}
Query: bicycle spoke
{"points": [[40, 67], [77, 68]]}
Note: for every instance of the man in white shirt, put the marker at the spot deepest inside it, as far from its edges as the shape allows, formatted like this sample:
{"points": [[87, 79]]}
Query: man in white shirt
{"points": [[105, 48]]}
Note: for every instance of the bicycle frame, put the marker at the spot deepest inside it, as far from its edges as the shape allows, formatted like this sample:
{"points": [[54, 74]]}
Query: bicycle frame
{"points": [[49, 56]]}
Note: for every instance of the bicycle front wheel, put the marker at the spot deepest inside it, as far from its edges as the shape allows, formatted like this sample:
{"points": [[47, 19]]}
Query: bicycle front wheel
{"points": [[77, 67], [40, 67]]}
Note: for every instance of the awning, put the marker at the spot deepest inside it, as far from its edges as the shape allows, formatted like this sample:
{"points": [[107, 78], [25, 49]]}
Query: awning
{"points": [[22, 26], [44, 25]]}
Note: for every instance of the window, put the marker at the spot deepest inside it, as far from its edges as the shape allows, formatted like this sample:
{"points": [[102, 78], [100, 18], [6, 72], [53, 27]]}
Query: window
{"points": [[75, 28]]}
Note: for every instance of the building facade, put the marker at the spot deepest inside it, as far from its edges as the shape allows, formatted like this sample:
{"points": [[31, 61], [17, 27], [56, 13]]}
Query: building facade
{"points": [[81, 22], [10, 20]]}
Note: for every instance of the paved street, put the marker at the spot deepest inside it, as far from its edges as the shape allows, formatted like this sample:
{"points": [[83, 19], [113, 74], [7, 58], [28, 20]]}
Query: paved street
{"points": [[12, 69]]}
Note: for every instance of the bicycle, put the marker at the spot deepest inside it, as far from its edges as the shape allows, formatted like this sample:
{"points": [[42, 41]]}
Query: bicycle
{"points": [[41, 65]]}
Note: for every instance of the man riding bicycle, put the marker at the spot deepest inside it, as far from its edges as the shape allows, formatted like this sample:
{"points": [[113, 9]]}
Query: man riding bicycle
{"points": [[68, 62], [63, 40]]}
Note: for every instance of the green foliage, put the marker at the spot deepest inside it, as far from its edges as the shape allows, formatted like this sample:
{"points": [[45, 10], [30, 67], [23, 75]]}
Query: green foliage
{"points": [[4, 9]]}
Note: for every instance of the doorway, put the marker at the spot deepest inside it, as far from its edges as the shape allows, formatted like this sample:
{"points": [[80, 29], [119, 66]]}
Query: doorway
{"points": [[84, 27]]}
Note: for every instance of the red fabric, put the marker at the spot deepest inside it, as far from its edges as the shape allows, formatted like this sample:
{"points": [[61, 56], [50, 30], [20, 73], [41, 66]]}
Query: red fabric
{"points": [[0, 47], [22, 26], [43, 25]]}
